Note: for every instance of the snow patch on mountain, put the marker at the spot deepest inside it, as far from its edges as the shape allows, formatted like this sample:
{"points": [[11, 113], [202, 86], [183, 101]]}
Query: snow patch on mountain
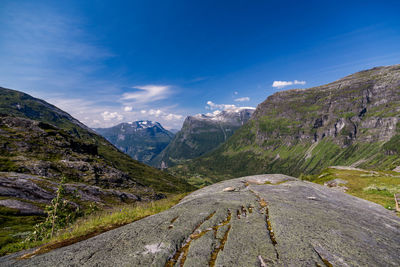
{"points": [[225, 115]]}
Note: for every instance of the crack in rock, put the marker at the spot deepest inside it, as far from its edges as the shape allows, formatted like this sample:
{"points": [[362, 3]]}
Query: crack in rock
{"points": [[181, 253], [264, 210]]}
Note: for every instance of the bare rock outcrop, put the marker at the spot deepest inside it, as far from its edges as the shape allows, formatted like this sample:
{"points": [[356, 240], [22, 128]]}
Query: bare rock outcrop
{"points": [[27, 193], [278, 221]]}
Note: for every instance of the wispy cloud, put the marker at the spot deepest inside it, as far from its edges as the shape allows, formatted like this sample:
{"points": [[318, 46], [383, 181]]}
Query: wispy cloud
{"points": [[51, 56], [212, 106], [147, 93], [282, 84], [107, 116], [218, 107], [242, 99], [94, 115], [46, 48], [160, 114]]}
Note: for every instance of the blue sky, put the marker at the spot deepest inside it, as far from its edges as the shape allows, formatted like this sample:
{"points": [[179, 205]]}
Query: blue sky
{"points": [[106, 62]]}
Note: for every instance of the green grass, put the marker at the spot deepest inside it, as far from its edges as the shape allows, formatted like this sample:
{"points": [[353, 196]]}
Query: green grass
{"points": [[13, 227], [95, 224], [283, 126], [375, 186]]}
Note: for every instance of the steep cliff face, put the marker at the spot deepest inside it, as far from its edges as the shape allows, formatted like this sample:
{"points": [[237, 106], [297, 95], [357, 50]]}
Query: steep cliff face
{"points": [[353, 121], [142, 140], [202, 133], [362, 107]]}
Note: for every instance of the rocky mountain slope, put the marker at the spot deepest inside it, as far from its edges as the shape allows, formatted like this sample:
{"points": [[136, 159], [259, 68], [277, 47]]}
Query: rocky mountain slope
{"points": [[41, 144], [264, 220], [354, 121], [40, 139], [28, 194], [142, 140], [202, 133]]}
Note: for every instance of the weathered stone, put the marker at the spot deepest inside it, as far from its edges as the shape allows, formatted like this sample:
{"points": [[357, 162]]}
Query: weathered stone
{"points": [[267, 225], [21, 186], [40, 190], [23, 207]]}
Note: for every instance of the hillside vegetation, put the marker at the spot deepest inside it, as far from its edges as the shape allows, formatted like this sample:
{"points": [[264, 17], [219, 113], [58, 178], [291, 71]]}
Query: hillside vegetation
{"points": [[352, 122], [55, 126], [200, 134], [41, 145], [376, 186]]}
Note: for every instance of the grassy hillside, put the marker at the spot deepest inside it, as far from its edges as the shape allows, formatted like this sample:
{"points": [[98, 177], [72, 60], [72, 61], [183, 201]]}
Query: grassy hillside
{"points": [[375, 186], [353, 122], [200, 134], [18, 104]]}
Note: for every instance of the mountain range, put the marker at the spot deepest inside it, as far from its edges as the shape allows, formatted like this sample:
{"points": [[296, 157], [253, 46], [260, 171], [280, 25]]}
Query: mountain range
{"points": [[40, 139], [344, 135], [142, 140], [353, 122], [201, 134]]}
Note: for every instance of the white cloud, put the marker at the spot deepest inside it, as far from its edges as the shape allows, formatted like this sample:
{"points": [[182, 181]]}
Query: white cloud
{"points": [[219, 107], [212, 106], [171, 117], [101, 116], [159, 114], [148, 93], [281, 84], [127, 108], [242, 99], [107, 116], [53, 57], [299, 82], [214, 113], [155, 112]]}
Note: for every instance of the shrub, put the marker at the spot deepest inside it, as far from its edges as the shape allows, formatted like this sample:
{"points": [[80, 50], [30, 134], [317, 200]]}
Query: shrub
{"points": [[60, 213]]}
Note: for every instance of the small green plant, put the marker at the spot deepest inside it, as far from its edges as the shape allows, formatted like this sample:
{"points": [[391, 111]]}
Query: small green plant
{"points": [[97, 222], [60, 213], [92, 208]]}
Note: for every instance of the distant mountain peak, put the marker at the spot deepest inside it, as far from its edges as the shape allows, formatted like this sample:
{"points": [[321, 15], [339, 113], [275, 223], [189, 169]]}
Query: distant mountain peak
{"points": [[142, 140], [202, 133], [147, 124], [233, 115], [141, 124], [354, 121], [51, 143]]}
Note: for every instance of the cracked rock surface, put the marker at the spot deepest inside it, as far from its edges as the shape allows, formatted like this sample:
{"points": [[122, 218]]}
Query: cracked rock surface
{"points": [[275, 221]]}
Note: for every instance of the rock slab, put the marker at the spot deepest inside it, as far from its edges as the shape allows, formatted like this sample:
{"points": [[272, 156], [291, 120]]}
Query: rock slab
{"points": [[286, 223]]}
